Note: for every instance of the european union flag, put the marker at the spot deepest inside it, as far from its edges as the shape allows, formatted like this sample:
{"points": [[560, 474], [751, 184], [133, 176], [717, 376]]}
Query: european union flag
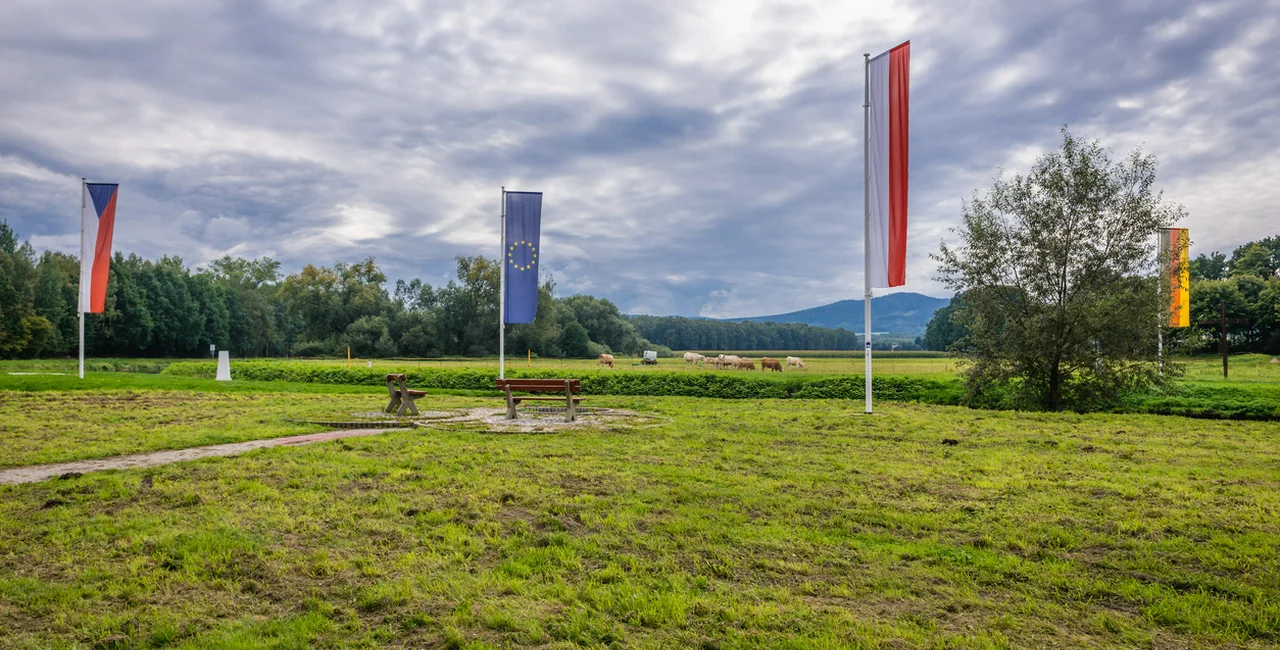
{"points": [[524, 219]]}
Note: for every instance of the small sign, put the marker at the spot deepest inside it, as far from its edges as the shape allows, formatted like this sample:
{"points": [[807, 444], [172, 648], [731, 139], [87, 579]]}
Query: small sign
{"points": [[868, 345]]}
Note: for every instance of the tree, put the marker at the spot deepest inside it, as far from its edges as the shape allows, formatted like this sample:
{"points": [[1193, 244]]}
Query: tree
{"points": [[1209, 267], [57, 297], [1253, 259], [574, 341], [1058, 276], [944, 331]]}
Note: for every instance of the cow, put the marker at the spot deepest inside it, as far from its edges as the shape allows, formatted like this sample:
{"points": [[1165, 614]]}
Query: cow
{"points": [[728, 361], [693, 357], [795, 362], [769, 363], [605, 360], [745, 363]]}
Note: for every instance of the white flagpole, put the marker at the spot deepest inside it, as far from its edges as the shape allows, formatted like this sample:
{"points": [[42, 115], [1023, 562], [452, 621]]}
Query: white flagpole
{"points": [[866, 223], [502, 289], [80, 298]]}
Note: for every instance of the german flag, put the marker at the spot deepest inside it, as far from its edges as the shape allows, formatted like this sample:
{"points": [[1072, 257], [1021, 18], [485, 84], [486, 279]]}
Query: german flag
{"points": [[1175, 276]]}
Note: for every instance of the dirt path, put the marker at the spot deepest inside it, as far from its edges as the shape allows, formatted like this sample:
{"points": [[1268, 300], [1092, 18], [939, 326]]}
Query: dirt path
{"points": [[36, 473]]}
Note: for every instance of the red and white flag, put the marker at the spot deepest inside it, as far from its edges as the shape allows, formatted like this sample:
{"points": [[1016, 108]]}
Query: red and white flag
{"points": [[888, 80], [97, 223]]}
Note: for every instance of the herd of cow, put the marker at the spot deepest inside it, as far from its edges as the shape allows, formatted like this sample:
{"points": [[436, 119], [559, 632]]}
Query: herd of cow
{"points": [[723, 361]]}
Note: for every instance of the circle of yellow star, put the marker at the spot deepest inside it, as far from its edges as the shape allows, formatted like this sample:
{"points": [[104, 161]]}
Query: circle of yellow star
{"points": [[533, 251]]}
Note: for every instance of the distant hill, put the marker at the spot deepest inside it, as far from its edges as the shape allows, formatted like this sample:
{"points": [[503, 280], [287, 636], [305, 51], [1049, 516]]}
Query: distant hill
{"points": [[899, 313]]}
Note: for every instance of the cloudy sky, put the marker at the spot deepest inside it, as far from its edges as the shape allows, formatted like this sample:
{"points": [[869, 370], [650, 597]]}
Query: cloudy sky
{"points": [[697, 157]]}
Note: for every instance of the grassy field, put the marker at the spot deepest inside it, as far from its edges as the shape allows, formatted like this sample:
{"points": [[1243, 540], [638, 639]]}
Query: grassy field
{"points": [[1246, 368], [744, 524]]}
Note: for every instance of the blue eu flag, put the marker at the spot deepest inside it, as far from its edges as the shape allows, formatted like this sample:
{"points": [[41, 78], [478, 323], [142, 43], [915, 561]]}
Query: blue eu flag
{"points": [[524, 219]]}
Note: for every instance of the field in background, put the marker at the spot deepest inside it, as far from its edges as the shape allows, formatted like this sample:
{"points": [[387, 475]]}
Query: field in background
{"points": [[1245, 368], [751, 524]]}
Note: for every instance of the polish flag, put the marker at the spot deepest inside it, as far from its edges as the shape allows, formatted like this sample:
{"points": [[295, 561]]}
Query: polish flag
{"points": [[888, 79], [97, 223]]}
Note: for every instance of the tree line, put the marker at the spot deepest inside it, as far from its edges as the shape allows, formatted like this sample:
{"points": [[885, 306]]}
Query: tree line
{"points": [[1246, 281], [163, 308]]}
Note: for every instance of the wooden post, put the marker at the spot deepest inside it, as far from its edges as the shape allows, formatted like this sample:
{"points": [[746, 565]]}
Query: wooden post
{"points": [[1222, 332], [348, 357], [1222, 319], [530, 353]]}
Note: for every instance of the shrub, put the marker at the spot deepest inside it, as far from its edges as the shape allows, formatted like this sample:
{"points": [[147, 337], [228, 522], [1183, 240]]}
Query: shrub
{"points": [[1244, 402], [595, 382]]}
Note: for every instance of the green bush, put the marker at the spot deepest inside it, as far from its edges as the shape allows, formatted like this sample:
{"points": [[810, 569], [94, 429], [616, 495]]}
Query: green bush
{"points": [[1236, 402], [606, 382]]}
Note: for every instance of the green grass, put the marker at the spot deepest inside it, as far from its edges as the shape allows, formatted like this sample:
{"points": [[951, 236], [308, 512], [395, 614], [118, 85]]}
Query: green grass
{"points": [[1246, 368], [738, 524], [46, 419]]}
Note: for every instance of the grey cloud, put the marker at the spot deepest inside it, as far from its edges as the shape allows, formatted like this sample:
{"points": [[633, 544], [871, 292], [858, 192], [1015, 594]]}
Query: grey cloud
{"points": [[721, 181]]}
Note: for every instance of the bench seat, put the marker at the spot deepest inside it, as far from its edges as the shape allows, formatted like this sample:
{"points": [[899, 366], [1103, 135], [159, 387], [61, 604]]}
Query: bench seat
{"points": [[565, 386], [401, 397]]}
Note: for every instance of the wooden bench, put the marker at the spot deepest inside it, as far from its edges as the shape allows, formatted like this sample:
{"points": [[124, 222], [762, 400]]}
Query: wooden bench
{"points": [[401, 397], [566, 386]]}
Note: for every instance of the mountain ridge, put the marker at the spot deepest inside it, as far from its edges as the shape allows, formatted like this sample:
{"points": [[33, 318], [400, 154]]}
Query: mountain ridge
{"points": [[898, 313]]}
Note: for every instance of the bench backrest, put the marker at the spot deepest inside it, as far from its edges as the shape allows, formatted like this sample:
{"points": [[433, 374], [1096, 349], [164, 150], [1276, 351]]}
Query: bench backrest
{"points": [[540, 385]]}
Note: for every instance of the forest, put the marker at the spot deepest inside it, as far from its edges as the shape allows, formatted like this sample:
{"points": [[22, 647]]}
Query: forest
{"points": [[163, 308]]}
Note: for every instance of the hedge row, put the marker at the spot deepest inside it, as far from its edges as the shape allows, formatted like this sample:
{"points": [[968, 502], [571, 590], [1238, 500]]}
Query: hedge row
{"points": [[1234, 402], [654, 383]]}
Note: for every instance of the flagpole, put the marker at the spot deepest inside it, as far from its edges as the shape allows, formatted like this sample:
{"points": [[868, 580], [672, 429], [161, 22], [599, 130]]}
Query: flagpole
{"points": [[80, 298], [1164, 270], [502, 289], [866, 223]]}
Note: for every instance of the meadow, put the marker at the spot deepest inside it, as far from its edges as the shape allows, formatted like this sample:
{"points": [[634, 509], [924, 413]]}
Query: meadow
{"points": [[1244, 368], [734, 524]]}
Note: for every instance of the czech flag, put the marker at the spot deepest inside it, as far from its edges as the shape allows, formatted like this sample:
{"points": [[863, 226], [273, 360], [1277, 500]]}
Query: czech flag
{"points": [[97, 222], [888, 86]]}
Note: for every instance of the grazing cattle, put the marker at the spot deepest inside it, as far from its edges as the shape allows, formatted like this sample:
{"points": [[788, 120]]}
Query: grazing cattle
{"points": [[693, 357], [728, 361], [745, 363], [605, 360], [795, 362], [769, 363]]}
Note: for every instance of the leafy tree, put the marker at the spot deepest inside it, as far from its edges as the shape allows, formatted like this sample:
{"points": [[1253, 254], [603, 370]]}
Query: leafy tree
{"points": [[364, 334], [944, 331], [1058, 277], [1208, 267], [1253, 259], [574, 340], [1256, 264], [603, 321], [57, 298]]}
